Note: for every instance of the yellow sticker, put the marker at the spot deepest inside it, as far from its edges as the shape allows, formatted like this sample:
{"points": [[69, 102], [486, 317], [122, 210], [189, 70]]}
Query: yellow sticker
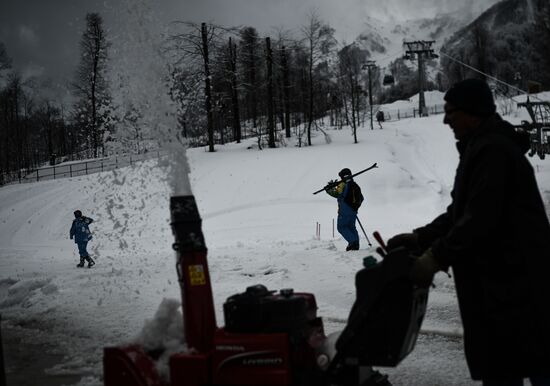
{"points": [[196, 275]]}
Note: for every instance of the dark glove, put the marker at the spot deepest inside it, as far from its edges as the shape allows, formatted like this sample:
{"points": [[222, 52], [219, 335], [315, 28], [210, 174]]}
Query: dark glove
{"points": [[330, 184], [424, 268], [330, 188], [407, 240]]}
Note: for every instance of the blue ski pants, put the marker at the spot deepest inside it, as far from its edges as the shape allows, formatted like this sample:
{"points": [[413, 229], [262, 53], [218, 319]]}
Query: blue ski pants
{"points": [[346, 223], [82, 248]]}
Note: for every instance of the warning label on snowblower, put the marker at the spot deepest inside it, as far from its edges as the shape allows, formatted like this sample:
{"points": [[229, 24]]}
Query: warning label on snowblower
{"points": [[196, 275]]}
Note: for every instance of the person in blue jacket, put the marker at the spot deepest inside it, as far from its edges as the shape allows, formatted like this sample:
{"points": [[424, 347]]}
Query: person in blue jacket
{"points": [[349, 197], [80, 231]]}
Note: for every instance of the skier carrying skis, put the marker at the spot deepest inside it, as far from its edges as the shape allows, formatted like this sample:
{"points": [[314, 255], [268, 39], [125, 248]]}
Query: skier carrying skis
{"points": [[80, 231], [349, 198]]}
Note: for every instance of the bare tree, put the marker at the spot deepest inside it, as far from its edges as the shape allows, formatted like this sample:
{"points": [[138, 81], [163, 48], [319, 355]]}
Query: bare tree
{"points": [[269, 71], [50, 136], [235, 92], [319, 38], [282, 62], [351, 59], [286, 90], [194, 46], [188, 92], [249, 60]]}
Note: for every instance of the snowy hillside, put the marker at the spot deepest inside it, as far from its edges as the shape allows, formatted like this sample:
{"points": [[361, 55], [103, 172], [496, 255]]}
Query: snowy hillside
{"points": [[401, 10], [259, 219], [385, 25], [391, 21]]}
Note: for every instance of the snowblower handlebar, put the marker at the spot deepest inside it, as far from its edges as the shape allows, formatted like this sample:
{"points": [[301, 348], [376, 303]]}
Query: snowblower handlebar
{"points": [[380, 241]]}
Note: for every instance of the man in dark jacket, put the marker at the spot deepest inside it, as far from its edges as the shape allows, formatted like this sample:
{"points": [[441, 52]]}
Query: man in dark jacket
{"points": [[80, 231], [349, 197], [496, 237]]}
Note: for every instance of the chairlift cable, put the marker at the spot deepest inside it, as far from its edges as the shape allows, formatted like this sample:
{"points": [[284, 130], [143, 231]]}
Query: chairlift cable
{"points": [[487, 75], [481, 72]]}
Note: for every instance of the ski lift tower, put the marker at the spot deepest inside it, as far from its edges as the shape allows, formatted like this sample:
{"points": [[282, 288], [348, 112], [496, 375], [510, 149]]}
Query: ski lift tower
{"points": [[420, 49]]}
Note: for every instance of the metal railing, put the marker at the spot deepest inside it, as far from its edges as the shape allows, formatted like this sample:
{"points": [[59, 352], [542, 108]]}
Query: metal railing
{"points": [[397, 114], [75, 169]]}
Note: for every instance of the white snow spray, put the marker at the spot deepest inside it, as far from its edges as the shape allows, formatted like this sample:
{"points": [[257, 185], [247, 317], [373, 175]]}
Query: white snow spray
{"points": [[179, 172]]}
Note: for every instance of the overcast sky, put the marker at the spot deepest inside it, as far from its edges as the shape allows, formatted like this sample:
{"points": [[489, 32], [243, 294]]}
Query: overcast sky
{"points": [[41, 36]]}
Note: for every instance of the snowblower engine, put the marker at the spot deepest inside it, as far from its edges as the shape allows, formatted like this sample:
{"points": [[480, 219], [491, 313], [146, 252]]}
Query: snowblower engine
{"points": [[275, 337]]}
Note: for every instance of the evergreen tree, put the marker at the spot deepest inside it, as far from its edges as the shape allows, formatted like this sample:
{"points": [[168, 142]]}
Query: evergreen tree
{"points": [[92, 109]]}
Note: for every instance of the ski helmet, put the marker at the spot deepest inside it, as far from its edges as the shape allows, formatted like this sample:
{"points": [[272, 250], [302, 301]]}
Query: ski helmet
{"points": [[344, 173], [77, 213]]}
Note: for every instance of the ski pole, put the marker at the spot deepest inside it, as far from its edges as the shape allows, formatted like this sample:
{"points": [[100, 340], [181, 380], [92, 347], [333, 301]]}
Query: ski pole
{"points": [[363, 229], [353, 175]]}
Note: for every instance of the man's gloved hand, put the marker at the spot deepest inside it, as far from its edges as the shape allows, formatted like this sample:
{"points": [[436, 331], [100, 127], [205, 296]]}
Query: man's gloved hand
{"points": [[407, 240], [424, 269]]}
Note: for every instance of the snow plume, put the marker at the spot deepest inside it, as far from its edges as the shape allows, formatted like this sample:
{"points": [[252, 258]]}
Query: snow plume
{"points": [[164, 333], [179, 172], [145, 112]]}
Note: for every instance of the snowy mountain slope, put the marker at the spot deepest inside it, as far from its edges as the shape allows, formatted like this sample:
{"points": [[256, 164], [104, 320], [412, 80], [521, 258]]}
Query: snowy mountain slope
{"points": [[506, 41], [400, 10], [259, 219], [385, 25]]}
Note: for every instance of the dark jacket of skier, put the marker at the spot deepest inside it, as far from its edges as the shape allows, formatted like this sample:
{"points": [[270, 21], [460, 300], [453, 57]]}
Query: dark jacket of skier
{"points": [[496, 237], [80, 230], [349, 197]]}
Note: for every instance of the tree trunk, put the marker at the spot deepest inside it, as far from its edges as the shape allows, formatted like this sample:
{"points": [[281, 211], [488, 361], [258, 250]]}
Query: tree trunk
{"points": [[235, 95], [207, 89], [310, 121], [353, 107], [270, 121], [286, 92]]}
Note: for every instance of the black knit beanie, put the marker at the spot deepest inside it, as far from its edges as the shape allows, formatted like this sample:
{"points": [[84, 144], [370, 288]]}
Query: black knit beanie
{"points": [[473, 96], [345, 172]]}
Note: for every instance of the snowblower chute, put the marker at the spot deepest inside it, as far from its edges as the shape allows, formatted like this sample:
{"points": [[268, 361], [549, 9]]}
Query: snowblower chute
{"points": [[275, 337]]}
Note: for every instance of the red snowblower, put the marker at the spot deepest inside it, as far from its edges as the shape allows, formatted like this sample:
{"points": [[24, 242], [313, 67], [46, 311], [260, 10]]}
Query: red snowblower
{"points": [[275, 337]]}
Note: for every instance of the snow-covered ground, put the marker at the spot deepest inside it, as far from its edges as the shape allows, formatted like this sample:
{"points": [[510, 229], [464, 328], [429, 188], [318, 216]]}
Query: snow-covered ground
{"points": [[259, 219]]}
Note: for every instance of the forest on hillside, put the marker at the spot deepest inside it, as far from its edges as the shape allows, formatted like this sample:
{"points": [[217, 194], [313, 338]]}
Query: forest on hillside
{"points": [[202, 84]]}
